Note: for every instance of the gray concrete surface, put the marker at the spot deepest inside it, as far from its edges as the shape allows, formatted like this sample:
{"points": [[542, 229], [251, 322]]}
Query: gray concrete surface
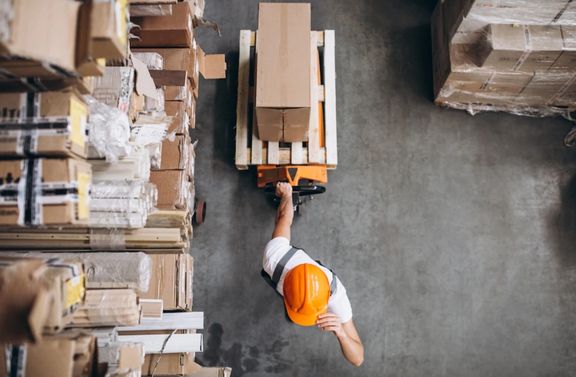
{"points": [[453, 234]]}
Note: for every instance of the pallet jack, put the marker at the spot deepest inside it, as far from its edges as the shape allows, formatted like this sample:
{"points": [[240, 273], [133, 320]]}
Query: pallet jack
{"points": [[307, 176], [305, 181]]}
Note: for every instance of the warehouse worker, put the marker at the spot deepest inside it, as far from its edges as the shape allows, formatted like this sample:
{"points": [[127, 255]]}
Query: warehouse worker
{"points": [[313, 295]]}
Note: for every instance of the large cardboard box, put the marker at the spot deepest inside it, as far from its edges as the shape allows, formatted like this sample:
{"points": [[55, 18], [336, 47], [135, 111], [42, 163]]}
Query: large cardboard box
{"points": [[544, 87], [59, 129], [45, 192], [71, 354], [567, 60], [42, 30], [175, 153], [174, 30], [109, 29], [171, 280], [503, 47], [545, 46], [509, 83], [39, 295], [283, 77], [178, 59], [174, 188]]}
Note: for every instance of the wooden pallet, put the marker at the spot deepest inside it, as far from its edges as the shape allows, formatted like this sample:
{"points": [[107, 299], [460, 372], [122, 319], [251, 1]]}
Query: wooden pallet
{"points": [[252, 151]]}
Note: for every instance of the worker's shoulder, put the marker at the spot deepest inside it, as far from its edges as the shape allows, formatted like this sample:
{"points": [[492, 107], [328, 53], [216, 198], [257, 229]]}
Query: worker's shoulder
{"points": [[278, 244]]}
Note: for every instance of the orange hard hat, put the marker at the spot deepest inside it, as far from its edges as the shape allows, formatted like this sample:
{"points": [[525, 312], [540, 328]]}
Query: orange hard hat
{"points": [[306, 294]]}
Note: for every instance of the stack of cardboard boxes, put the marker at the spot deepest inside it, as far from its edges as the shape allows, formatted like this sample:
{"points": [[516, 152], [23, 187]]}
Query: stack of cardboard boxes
{"points": [[509, 55], [166, 44], [93, 171]]}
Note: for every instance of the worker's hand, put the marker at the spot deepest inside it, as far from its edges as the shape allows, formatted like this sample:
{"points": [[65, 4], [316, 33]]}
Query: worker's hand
{"points": [[283, 190], [330, 322]]}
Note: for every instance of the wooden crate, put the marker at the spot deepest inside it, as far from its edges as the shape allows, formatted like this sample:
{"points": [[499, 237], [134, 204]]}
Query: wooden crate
{"points": [[252, 151]]}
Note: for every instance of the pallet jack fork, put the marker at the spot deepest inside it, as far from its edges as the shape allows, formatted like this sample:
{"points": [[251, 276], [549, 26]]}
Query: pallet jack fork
{"points": [[304, 179]]}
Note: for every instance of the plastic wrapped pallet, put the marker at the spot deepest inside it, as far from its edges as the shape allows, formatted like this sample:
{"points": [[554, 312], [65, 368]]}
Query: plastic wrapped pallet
{"points": [[107, 307], [133, 167], [523, 64], [122, 204], [107, 270]]}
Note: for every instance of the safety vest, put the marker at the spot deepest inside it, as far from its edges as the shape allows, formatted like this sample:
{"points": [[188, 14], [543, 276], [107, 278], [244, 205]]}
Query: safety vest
{"points": [[281, 266]]}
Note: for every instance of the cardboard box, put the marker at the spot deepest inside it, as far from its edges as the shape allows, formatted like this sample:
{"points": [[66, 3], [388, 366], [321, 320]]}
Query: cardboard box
{"points": [[510, 83], [86, 63], [47, 305], [200, 371], [107, 308], [175, 154], [174, 30], [467, 81], [180, 117], [70, 354], [58, 192], [174, 364], [44, 31], [109, 29], [545, 47], [566, 62], [114, 88], [171, 280], [25, 302], [283, 76], [175, 59], [543, 88], [121, 358], [567, 96], [173, 188], [211, 66], [502, 47]]}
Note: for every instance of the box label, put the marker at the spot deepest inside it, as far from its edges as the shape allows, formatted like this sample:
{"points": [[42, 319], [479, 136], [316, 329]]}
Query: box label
{"points": [[84, 180], [78, 116]]}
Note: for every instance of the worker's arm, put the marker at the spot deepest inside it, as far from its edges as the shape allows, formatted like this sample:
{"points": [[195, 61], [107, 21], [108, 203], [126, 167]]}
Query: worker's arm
{"points": [[285, 213], [347, 336]]}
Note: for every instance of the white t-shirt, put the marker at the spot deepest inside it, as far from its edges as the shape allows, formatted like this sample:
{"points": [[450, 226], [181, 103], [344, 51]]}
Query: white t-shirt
{"points": [[338, 304]]}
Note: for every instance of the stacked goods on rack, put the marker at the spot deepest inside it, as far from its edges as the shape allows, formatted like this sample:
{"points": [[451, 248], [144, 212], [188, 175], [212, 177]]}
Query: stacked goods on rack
{"points": [[505, 55], [78, 153]]}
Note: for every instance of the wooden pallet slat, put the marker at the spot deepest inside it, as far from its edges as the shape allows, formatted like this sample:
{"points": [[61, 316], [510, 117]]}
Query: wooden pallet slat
{"points": [[273, 153], [314, 125], [330, 99], [297, 155], [256, 158], [242, 100]]}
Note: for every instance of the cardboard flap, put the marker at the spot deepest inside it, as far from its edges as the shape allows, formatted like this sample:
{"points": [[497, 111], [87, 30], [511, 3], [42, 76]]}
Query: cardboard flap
{"points": [[212, 66], [144, 82]]}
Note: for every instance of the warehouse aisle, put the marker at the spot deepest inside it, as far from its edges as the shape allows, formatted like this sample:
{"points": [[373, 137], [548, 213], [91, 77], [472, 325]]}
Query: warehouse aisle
{"points": [[453, 234]]}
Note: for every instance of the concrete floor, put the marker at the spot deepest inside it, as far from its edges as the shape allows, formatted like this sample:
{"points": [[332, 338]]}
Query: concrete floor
{"points": [[453, 234]]}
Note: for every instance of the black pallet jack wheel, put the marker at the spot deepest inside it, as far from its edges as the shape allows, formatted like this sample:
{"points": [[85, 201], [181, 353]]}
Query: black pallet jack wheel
{"points": [[199, 212]]}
